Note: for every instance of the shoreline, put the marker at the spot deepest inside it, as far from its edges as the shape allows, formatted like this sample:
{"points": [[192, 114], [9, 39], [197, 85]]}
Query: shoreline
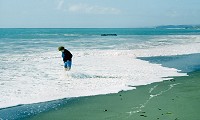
{"points": [[106, 104], [172, 100], [150, 91]]}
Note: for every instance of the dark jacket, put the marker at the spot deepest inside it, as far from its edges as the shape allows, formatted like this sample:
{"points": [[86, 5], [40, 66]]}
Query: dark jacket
{"points": [[66, 55]]}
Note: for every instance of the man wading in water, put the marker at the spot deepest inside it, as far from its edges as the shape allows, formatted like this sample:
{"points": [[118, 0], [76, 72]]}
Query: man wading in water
{"points": [[67, 58]]}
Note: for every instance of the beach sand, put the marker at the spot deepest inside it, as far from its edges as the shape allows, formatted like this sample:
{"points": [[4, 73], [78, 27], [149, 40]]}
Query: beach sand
{"points": [[177, 99]]}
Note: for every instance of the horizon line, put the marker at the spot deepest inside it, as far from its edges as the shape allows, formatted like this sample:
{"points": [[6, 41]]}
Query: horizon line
{"points": [[98, 27]]}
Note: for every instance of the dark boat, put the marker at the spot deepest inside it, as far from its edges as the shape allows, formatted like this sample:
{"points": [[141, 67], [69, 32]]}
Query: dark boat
{"points": [[108, 34]]}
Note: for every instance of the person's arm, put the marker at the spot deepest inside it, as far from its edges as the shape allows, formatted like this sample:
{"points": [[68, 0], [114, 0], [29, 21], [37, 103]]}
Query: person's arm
{"points": [[63, 56]]}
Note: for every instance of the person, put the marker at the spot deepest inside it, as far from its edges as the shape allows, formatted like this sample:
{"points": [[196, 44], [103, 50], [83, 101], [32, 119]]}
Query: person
{"points": [[67, 57]]}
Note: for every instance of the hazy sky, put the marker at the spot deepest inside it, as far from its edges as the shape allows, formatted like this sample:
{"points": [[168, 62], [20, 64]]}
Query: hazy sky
{"points": [[97, 13]]}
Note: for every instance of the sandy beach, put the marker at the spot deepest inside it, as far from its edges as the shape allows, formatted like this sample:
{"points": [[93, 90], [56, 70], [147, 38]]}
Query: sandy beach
{"points": [[176, 99]]}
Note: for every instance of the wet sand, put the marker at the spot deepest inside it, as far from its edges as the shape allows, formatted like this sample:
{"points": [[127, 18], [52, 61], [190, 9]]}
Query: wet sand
{"points": [[176, 99]]}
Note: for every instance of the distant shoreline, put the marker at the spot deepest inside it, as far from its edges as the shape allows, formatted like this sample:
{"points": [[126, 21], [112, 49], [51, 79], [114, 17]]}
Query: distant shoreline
{"points": [[178, 27]]}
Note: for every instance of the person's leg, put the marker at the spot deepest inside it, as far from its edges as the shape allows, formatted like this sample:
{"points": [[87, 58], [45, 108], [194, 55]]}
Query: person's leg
{"points": [[67, 65]]}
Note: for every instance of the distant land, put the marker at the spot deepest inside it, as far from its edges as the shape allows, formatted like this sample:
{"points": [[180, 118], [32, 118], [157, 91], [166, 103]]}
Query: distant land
{"points": [[179, 27]]}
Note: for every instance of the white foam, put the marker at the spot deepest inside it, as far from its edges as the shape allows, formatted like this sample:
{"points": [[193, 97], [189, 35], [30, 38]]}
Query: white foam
{"points": [[38, 77]]}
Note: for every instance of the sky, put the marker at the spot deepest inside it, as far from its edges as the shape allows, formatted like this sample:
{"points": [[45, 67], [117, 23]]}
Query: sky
{"points": [[97, 13]]}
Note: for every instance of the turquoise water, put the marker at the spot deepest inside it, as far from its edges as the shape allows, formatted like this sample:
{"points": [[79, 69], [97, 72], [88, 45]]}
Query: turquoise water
{"points": [[178, 62], [31, 67], [25, 40]]}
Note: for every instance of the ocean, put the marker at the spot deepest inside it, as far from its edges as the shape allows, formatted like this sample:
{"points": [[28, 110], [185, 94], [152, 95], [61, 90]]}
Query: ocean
{"points": [[31, 67]]}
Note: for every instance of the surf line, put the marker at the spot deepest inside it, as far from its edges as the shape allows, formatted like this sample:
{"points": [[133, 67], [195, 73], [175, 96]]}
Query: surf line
{"points": [[151, 96]]}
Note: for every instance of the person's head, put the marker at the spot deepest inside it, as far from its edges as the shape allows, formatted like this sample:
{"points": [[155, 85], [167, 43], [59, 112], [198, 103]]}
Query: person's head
{"points": [[61, 48]]}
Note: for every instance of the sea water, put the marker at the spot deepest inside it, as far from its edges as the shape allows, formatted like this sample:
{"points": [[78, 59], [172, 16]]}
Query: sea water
{"points": [[31, 67]]}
